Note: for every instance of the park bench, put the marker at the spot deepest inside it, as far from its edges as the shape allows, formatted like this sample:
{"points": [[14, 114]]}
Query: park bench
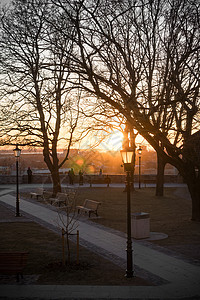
{"points": [[89, 206], [47, 195], [13, 263], [149, 181], [71, 196], [38, 193], [101, 180], [61, 198]]}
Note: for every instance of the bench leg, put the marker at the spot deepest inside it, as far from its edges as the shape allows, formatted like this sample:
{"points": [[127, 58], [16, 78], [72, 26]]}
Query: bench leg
{"points": [[19, 274]]}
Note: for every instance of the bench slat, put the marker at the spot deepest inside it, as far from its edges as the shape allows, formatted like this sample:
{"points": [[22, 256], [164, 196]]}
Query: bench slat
{"points": [[38, 193], [62, 198], [89, 206], [13, 262]]}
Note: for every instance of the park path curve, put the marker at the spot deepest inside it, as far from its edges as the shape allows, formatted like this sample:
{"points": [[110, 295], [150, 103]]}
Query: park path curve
{"points": [[182, 278]]}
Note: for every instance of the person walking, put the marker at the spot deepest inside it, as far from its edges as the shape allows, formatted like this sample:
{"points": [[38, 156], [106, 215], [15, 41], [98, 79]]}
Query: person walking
{"points": [[100, 172], [80, 177], [71, 176], [29, 173], [108, 180]]}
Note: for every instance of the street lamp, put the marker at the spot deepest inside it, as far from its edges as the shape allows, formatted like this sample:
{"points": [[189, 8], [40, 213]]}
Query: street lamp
{"points": [[127, 159], [17, 153], [140, 153]]}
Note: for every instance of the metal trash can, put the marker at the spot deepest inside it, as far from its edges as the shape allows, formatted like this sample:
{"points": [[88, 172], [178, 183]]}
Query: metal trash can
{"points": [[140, 225]]}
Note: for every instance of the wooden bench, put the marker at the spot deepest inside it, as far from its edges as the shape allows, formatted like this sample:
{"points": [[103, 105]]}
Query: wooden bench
{"points": [[38, 193], [61, 198], [13, 263], [103, 180], [47, 195], [89, 206], [71, 198], [149, 181]]}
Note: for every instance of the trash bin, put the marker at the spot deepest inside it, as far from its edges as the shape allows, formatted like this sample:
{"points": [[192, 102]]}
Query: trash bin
{"points": [[140, 225]]}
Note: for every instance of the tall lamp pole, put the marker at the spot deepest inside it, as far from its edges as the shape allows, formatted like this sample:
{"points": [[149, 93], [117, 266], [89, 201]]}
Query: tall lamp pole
{"points": [[127, 158], [17, 153], [140, 153]]}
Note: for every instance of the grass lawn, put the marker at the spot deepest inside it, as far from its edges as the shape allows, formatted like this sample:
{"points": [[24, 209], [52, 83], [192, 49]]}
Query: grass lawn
{"points": [[170, 214], [45, 257]]}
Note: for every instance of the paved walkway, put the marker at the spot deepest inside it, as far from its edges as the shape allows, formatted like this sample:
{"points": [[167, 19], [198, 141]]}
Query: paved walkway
{"points": [[182, 280], [115, 185]]}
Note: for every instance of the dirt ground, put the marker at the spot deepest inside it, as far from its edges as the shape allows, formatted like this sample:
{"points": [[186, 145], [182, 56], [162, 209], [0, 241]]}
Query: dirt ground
{"points": [[44, 265], [170, 214]]}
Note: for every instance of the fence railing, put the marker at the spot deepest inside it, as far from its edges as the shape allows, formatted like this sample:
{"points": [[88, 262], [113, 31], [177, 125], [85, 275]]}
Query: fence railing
{"points": [[46, 178]]}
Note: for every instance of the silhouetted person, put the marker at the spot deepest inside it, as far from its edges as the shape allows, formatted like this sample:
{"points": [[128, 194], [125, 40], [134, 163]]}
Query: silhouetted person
{"points": [[108, 180], [90, 181], [71, 176], [80, 177], [29, 172], [100, 172]]}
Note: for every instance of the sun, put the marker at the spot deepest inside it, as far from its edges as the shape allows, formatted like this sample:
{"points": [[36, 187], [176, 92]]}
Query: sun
{"points": [[113, 142]]}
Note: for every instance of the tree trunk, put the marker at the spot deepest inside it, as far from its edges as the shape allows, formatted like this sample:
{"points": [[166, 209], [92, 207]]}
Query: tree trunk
{"points": [[54, 169], [160, 175], [56, 182], [192, 179]]}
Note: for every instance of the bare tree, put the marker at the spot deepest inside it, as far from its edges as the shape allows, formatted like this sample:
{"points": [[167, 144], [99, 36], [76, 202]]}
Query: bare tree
{"points": [[142, 58], [67, 220], [38, 106]]}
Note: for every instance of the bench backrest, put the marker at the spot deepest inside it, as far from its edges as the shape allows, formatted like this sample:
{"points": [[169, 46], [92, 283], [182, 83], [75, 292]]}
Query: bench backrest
{"points": [[47, 194], [13, 260], [39, 191], [71, 196], [61, 196], [91, 204]]}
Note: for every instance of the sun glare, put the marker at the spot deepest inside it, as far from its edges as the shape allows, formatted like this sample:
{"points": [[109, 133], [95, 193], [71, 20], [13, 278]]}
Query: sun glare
{"points": [[113, 142]]}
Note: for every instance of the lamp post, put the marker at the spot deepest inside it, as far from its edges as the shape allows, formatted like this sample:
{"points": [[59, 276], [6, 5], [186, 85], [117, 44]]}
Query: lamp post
{"points": [[17, 153], [127, 158], [140, 153]]}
